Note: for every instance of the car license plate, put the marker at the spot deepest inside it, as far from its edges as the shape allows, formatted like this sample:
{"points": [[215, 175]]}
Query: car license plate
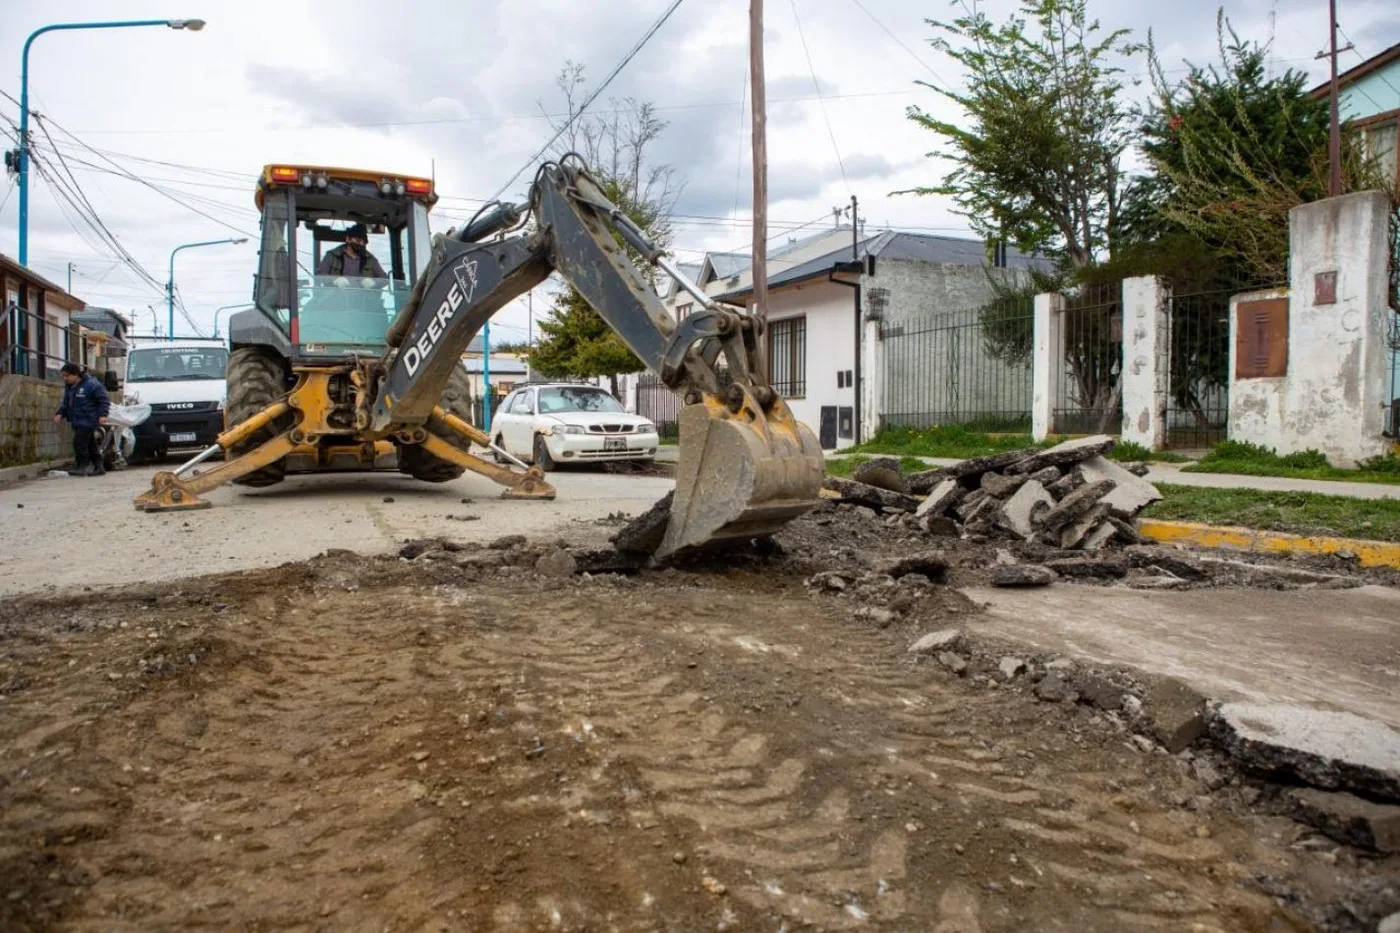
{"points": [[614, 443], [185, 437]]}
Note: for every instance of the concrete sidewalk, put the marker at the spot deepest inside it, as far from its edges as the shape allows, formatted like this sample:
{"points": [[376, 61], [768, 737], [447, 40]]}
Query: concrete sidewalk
{"points": [[1172, 473]]}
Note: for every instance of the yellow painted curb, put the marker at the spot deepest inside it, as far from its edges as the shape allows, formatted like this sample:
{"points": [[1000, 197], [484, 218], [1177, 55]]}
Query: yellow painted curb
{"points": [[1368, 553]]}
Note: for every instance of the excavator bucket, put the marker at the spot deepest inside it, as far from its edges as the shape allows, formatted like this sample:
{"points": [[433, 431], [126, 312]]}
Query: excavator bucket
{"points": [[741, 474]]}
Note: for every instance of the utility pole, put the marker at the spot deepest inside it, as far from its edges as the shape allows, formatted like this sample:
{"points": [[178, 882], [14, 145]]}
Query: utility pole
{"points": [[1334, 138], [70, 278], [530, 312], [855, 229], [760, 170]]}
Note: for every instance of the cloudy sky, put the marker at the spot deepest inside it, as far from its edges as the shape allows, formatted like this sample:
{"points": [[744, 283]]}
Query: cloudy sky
{"points": [[459, 88]]}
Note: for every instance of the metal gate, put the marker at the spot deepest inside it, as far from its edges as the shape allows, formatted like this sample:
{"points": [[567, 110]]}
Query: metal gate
{"points": [[1089, 392], [1198, 368], [969, 366]]}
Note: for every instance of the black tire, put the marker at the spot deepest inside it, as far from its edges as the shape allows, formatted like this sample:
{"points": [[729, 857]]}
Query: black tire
{"points": [[500, 442], [256, 379], [421, 465], [542, 458]]}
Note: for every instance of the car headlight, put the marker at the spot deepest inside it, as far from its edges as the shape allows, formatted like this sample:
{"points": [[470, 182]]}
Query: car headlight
{"points": [[559, 429], [646, 427]]}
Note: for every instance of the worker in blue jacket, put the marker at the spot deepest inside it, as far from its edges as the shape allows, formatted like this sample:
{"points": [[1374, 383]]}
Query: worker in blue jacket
{"points": [[85, 406]]}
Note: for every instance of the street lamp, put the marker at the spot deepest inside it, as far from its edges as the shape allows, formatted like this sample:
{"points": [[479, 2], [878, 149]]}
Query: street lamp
{"points": [[170, 282], [22, 155], [219, 311]]}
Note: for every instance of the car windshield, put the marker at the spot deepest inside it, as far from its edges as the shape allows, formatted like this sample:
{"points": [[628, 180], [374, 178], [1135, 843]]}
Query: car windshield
{"points": [[555, 401], [172, 364]]}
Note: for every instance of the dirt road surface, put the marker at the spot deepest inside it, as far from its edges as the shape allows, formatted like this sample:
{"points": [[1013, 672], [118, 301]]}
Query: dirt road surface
{"points": [[64, 532], [370, 744]]}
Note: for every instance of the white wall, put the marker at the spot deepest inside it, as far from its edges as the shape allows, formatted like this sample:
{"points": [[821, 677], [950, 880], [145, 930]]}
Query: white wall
{"points": [[1334, 395], [830, 311], [1146, 367]]}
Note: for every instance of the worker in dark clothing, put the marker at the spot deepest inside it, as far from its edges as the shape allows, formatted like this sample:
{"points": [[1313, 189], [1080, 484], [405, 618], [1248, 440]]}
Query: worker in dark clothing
{"points": [[353, 259], [85, 406]]}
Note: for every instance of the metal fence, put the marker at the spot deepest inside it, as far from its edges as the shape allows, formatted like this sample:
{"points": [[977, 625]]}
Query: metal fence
{"points": [[658, 404], [1089, 391], [967, 366], [1392, 422]]}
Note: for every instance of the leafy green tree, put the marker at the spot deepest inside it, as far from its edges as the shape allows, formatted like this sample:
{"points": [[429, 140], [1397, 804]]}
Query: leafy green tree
{"points": [[1037, 160]]}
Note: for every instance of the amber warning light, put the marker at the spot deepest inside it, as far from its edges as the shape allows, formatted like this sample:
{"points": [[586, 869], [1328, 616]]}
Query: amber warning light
{"points": [[285, 173], [418, 186]]}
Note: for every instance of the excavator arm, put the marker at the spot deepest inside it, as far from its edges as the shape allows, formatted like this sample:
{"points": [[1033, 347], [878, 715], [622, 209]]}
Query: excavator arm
{"points": [[747, 466]]}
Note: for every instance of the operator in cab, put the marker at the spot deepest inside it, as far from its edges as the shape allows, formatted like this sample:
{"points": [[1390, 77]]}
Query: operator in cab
{"points": [[352, 260]]}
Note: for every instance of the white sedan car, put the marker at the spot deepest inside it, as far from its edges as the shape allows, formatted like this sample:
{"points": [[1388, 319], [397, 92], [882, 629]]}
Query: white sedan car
{"points": [[553, 424]]}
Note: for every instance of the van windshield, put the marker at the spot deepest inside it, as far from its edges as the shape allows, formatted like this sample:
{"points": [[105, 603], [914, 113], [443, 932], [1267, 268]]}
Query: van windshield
{"points": [[172, 364]]}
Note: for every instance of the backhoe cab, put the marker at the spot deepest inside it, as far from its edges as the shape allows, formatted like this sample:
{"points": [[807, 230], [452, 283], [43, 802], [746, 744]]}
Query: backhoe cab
{"points": [[332, 372]]}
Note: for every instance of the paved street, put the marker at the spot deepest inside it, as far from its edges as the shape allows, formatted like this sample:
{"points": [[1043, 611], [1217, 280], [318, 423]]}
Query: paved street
{"points": [[64, 532]]}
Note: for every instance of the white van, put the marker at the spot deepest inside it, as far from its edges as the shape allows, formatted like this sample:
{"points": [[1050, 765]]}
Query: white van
{"points": [[183, 382]]}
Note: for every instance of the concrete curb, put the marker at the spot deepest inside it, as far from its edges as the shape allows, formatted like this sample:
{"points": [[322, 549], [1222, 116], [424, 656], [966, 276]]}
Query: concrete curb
{"points": [[31, 471], [1368, 553]]}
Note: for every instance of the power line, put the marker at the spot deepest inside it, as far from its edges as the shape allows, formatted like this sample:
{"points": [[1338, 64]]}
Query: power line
{"points": [[926, 66], [591, 97], [816, 86]]}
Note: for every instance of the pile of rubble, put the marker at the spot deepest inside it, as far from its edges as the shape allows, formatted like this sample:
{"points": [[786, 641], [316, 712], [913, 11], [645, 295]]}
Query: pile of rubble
{"points": [[1066, 497]]}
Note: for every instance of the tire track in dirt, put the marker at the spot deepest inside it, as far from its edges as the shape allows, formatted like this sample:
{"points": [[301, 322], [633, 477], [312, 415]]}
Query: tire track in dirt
{"points": [[510, 758]]}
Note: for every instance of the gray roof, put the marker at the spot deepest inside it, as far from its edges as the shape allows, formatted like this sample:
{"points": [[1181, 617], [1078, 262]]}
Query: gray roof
{"points": [[893, 244], [727, 264], [104, 320]]}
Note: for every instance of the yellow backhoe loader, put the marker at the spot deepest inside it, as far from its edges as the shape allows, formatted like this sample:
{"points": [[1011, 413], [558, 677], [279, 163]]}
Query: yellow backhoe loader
{"points": [[353, 371]]}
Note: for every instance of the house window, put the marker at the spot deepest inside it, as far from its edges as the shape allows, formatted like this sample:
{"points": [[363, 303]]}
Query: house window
{"points": [[683, 311], [787, 356]]}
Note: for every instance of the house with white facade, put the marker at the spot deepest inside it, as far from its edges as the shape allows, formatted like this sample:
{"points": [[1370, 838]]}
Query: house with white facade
{"points": [[828, 314]]}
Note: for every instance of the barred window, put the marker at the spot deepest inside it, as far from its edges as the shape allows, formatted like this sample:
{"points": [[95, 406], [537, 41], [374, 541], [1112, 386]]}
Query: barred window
{"points": [[787, 356]]}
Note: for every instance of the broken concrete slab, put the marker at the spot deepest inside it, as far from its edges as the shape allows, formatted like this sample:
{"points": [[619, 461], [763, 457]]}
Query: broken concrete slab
{"points": [[1131, 494], [1167, 559], [933, 642], [999, 486], [970, 502], [1177, 714], [932, 564], [1162, 582], [920, 483], [939, 526], [1075, 504], [1022, 575], [1075, 532], [1047, 476], [1010, 667], [1072, 451], [1089, 568], [872, 496], [1019, 512], [1125, 530], [883, 473], [978, 512], [1099, 691], [953, 662], [643, 534], [1327, 749], [556, 563], [1390, 924], [973, 467], [1098, 539], [608, 560], [1349, 819], [1064, 485], [941, 498]]}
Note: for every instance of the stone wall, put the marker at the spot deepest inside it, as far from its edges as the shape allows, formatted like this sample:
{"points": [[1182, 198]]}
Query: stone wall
{"points": [[27, 431]]}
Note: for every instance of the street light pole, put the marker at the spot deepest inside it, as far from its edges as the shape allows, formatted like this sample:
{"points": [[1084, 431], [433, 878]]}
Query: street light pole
{"points": [[170, 282], [218, 311], [194, 25]]}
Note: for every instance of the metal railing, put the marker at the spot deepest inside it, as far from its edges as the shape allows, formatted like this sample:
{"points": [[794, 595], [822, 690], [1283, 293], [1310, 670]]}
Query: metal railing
{"points": [[658, 404], [960, 366], [26, 344], [1089, 398]]}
